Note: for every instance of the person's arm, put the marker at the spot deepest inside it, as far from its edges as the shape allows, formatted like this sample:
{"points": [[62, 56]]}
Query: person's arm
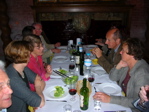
{"points": [[48, 71], [39, 86]]}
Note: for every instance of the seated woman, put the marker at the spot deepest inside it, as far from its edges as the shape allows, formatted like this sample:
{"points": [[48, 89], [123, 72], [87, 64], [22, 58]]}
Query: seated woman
{"points": [[143, 103], [18, 52], [131, 73], [35, 62]]}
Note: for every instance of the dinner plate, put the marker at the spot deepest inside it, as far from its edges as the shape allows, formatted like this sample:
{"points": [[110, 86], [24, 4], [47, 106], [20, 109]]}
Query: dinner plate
{"points": [[109, 88], [55, 75], [98, 70], [91, 46], [60, 59], [62, 48], [49, 92]]}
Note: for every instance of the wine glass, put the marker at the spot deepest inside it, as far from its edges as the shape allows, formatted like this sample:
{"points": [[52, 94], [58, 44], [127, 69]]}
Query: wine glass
{"points": [[72, 91], [72, 67], [91, 78]]}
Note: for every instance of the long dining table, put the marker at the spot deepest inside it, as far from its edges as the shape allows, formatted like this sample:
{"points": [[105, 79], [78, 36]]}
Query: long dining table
{"points": [[54, 105]]}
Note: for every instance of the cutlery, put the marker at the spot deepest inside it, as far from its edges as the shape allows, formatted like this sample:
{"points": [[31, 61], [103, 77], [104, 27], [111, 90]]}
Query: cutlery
{"points": [[95, 90], [57, 100], [98, 83], [61, 74]]}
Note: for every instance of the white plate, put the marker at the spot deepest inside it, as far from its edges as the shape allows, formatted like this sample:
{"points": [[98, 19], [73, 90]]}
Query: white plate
{"points": [[62, 48], [91, 46], [49, 92], [60, 59], [109, 88], [55, 75], [98, 70]]}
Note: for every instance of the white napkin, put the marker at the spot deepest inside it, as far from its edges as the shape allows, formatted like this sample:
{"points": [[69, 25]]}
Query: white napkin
{"points": [[98, 70]]}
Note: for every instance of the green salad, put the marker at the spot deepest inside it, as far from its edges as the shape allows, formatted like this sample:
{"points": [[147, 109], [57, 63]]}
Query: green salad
{"points": [[63, 71], [59, 91], [71, 80]]}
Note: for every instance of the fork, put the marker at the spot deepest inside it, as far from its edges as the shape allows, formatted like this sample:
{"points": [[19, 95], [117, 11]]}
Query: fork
{"points": [[60, 68], [95, 89]]}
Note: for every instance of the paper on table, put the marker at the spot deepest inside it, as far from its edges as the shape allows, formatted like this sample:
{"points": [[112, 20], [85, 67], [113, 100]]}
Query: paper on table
{"points": [[98, 70]]}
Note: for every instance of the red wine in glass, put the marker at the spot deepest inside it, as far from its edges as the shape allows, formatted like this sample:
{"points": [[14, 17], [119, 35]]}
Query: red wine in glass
{"points": [[72, 91], [71, 66], [91, 79]]}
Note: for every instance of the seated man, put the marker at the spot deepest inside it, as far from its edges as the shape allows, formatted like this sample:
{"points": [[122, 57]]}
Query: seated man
{"points": [[143, 103], [5, 90], [49, 49], [113, 40], [131, 73]]}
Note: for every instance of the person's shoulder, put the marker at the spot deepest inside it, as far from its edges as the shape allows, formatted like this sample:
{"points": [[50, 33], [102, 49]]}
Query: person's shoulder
{"points": [[28, 71], [10, 69]]}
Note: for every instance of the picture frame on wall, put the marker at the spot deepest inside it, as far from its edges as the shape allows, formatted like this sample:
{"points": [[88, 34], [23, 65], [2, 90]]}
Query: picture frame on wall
{"points": [[47, 0], [76, 0]]}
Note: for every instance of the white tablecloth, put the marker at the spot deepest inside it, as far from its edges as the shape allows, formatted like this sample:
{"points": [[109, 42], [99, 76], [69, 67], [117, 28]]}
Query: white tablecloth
{"points": [[53, 106]]}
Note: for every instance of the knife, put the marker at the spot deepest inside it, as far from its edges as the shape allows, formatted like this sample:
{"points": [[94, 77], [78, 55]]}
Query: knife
{"points": [[98, 83], [116, 111], [57, 100]]}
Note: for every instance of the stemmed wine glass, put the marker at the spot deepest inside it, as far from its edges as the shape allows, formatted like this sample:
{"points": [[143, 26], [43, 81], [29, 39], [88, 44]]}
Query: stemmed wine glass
{"points": [[72, 91], [72, 67], [91, 78]]}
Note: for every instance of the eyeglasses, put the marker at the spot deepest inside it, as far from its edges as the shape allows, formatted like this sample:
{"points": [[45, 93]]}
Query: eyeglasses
{"points": [[4, 84]]}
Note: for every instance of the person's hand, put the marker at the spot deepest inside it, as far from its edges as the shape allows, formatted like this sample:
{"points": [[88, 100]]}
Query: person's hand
{"points": [[102, 97], [121, 64], [142, 93], [99, 42], [56, 50], [96, 51], [57, 44], [49, 69]]}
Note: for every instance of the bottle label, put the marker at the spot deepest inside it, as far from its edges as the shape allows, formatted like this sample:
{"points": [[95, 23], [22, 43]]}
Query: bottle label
{"points": [[87, 62], [81, 100], [77, 59], [80, 49]]}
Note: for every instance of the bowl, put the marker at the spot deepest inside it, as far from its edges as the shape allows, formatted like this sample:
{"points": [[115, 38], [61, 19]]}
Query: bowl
{"points": [[72, 80], [95, 61]]}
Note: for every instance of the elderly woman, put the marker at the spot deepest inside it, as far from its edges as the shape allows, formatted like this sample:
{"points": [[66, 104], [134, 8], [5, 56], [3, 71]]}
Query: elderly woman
{"points": [[18, 52], [36, 63], [131, 73]]}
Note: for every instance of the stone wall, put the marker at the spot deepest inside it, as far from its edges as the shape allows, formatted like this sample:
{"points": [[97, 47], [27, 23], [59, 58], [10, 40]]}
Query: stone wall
{"points": [[20, 14]]}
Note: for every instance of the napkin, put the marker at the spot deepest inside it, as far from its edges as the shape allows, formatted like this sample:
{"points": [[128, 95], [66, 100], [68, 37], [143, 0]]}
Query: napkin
{"points": [[98, 70], [116, 111]]}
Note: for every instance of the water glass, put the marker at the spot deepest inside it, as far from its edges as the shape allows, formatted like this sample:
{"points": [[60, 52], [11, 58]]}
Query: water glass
{"points": [[97, 105], [67, 108]]}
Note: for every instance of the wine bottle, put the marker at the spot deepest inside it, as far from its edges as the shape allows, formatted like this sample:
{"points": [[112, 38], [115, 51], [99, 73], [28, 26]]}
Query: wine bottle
{"points": [[81, 61], [84, 96], [77, 57]]}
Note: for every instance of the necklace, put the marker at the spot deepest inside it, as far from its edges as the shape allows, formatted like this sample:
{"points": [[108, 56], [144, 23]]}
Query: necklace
{"points": [[22, 75]]}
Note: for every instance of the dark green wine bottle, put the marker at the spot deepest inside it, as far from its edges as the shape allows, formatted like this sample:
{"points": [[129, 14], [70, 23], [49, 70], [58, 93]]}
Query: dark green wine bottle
{"points": [[84, 96], [81, 63], [77, 57]]}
